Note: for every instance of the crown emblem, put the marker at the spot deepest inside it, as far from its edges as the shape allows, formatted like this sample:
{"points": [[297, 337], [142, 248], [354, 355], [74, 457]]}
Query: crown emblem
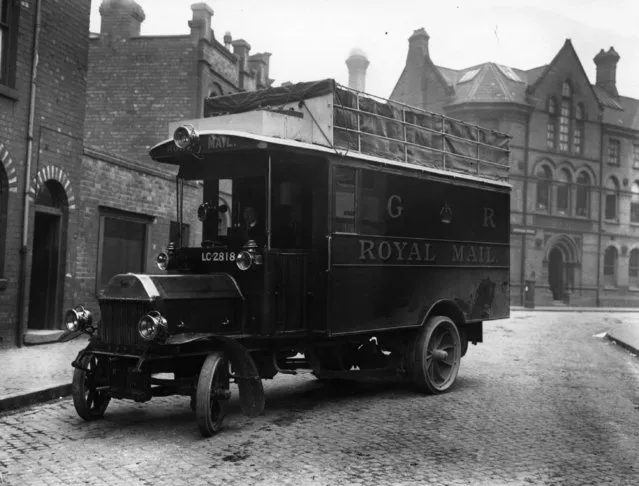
{"points": [[446, 213]]}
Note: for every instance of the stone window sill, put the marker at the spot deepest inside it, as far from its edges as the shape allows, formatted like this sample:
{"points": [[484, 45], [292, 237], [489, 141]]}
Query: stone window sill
{"points": [[10, 93]]}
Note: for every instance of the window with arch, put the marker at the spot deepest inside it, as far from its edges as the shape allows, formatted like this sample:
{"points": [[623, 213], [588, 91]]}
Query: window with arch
{"points": [[612, 198], [214, 90], [583, 195], [563, 191], [566, 89], [610, 267], [564, 125], [544, 176], [4, 202], [578, 129], [634, 203], [633, 269], [551, 132]]}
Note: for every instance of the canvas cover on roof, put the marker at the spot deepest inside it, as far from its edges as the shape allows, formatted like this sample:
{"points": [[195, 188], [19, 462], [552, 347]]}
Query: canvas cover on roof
{"points": [[374, 126]]}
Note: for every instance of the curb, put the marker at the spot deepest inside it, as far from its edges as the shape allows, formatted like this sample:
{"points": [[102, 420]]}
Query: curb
{"points": [[35, 397], [621, 343], [573, 309]]}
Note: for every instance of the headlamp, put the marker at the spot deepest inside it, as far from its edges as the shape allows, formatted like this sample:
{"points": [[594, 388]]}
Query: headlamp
{"points": [[162, 260], [77, 318], [185, 137], [248, 256], [244, 260], [152, 326]]}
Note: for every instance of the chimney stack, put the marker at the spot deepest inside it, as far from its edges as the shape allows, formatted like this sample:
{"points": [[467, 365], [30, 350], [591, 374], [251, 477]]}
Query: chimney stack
{"points": [[120, 18], [357, 64], [241, 49], [417, 46], [228, 40], [200, 24], [606, 63]]}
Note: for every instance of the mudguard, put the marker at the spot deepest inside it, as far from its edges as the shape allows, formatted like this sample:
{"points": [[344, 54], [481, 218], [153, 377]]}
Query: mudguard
{"points": [[252, 399]]}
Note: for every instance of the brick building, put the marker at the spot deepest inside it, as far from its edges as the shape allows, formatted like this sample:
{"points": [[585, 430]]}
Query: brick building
{"points": [[41, 128], [137, 84], [575, 167]]}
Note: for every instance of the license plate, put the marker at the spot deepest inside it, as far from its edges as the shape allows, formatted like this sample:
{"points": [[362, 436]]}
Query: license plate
{"points": [[218, 256]]}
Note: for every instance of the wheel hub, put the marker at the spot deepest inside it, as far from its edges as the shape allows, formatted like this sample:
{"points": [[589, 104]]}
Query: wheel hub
{"points": [[439, 354]]}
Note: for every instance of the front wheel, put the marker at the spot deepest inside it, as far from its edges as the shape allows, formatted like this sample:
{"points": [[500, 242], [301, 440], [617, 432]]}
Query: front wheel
{"points": [[89, 401], [212, 395], [437, 355]]}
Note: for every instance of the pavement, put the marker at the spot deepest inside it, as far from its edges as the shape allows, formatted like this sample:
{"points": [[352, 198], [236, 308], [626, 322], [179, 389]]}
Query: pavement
{"points": [[40, 373]]}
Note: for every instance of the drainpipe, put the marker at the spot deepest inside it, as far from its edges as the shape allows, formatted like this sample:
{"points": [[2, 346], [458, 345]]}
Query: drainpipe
{"points": [[601, 208], [525, 208], [27, 179]]}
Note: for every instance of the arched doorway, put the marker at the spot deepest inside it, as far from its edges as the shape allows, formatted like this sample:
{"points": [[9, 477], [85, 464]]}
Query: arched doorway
{"points": [[48, 259], [563, 257], [556, 272]]}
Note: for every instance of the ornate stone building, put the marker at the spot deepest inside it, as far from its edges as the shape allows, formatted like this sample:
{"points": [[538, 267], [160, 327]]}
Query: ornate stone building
{"points": [[575, 167]]}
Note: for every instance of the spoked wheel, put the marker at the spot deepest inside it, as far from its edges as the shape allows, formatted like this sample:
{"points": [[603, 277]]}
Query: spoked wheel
{"points": [[212, 395], [89, 402], [437, 355]]}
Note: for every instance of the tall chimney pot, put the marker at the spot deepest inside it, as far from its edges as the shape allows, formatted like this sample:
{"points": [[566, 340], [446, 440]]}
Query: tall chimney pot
{"points": [[606, 63], [357, 64]]}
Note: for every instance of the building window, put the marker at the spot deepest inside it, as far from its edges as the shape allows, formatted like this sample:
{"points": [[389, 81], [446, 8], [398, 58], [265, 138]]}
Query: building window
{"points": [[4, 202], [564, 125], [566, 89], [8, 40], [551, 132], [583, 195], [635, 156], [563, 192], [633, 269], [177, 237], [544, 177], [634, 203], [122, 249], [612, 198], [610, 267], [578, 129], [613, 152]]}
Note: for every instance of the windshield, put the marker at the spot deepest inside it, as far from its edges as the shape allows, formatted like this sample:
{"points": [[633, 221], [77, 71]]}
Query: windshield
{"points": [[233, 199], [233, 211]]}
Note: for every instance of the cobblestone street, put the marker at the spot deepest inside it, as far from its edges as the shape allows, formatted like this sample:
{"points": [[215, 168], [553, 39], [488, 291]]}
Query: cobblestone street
{"points": [[542, 401]]}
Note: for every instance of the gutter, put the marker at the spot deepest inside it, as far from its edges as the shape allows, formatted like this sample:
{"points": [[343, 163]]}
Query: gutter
{"points": [[27, 179]]}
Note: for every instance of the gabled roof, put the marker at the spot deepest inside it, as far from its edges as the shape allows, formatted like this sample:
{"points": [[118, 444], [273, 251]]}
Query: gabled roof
{"points": [[494, 83], [566, 49]]}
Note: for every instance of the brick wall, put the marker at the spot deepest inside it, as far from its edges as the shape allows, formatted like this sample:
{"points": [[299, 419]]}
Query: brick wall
{"points": [[136, 87], [112, 183], [58, 129]]}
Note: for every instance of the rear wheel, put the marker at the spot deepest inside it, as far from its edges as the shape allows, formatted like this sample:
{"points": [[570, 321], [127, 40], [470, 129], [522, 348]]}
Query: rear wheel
{"points": [[437, 355], [89, 401], [212, 395]]}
